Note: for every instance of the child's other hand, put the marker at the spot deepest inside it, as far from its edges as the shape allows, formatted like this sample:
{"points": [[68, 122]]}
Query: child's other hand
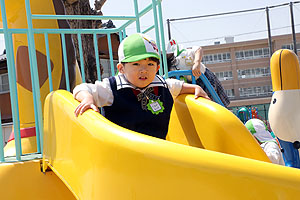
{"points": [[199, 92], [86, 103], [196, 69]]}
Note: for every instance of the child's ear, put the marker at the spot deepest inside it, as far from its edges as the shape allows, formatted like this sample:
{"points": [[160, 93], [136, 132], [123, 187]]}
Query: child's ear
{"points": [[120, 67], [158, 66]]}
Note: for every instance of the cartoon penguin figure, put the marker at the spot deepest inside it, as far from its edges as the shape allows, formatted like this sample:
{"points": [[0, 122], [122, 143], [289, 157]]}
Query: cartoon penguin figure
{"points": [[284, 111]]}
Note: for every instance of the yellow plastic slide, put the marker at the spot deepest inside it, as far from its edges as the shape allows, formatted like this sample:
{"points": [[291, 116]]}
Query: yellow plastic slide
{"points": [[25, 180], [97, 159], [209, 153]]}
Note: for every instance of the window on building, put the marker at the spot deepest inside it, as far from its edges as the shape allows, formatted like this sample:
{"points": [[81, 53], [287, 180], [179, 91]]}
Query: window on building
{"points": [[254, 73], [242, 54], [291, 46], [220, 57], [256, 53], [247, 54], [4, 86], [224, 56], [216, 58], [266, 52], [252, 54], [265, 90], [227, 75], [228, 56], [230, 93], [237, 55]]}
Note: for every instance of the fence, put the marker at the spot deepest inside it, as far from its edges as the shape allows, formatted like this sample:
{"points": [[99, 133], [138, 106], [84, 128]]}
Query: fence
{"points": [[243, 25], [45, 34]]}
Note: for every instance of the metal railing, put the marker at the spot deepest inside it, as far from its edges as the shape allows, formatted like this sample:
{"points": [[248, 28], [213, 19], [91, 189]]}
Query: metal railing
{"points": [[30, 31], [204, 79]]}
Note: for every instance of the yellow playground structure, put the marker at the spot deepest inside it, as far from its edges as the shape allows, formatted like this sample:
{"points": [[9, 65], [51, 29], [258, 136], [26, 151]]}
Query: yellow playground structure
{"points": [[208, 152]]}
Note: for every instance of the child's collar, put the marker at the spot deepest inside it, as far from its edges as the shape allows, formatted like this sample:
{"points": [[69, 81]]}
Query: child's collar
{"points": [[122, 82]]}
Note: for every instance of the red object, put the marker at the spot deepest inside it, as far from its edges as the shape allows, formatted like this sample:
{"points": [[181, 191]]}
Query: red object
{"points": [[172, 42], [25, 132], [136, 92]]}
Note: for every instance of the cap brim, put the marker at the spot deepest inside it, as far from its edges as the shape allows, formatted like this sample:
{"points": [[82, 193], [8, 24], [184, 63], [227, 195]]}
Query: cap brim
{"points": [[140, 57], [263, 136]]}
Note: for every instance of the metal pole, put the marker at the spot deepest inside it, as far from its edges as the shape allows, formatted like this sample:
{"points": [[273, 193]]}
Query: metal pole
{"points": [[169, 29], [293, 28], [35, 80], [154, 4], [269, 31], [162, 37], [137, 15], [12, 81]]}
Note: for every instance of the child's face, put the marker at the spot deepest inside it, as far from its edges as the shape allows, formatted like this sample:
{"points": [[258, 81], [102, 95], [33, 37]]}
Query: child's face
{"points": [[140, 73]]}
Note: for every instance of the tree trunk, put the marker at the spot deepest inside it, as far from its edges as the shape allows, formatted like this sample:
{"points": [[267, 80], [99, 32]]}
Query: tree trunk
{"points": [[82, 7]]}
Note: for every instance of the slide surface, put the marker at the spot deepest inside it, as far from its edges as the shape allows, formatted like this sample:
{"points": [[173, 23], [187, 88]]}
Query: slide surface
{"points": [[100, 160], [24, 180], [208, 154]]}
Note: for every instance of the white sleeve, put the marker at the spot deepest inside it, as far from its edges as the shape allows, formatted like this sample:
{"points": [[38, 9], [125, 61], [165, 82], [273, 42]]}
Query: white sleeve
{"points": [[100, 91], [175, 86], [273, 152]]}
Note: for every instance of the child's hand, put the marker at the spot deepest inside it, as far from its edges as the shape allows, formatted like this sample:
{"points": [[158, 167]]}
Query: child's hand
{"points": [[86, 103], [199, 92], [193, 89], [196, 69]]}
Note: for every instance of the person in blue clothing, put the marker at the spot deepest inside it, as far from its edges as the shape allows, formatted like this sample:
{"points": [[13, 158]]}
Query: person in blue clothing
{"points": [[137, 98]]}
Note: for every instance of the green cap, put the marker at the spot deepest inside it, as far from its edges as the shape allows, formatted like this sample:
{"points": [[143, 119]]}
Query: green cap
{"points": [[137, 47], [259, 129]]}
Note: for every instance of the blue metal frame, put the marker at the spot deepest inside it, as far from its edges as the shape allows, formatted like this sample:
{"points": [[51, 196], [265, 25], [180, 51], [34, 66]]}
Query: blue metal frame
{"points": [[30, 32], [35, 79], [48, 62], [81, 57], [12, 81], [206, 82], [97, 57]]}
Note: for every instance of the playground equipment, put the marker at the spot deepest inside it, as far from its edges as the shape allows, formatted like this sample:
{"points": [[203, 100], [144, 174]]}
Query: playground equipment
{"points": [[244, 114], [28, 96], [283, 112], [254, 113], [208, 153], [213, 93]]}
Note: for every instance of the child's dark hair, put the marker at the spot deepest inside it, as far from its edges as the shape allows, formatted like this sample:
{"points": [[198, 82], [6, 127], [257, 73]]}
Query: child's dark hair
{"points": [[150, 58], [171, 62]]}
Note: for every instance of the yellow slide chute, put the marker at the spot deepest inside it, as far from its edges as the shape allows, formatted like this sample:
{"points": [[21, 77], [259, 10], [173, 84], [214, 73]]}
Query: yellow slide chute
{"points": [[97, 159], [209, 154], [93, 158]]}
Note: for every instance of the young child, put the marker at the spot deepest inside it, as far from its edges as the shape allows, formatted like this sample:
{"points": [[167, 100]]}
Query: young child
{"points": [[136, 98], [267, 142], [179, 58]]}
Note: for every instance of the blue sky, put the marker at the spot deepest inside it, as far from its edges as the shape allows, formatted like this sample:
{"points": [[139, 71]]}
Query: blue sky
{"points": [[206, 31]]}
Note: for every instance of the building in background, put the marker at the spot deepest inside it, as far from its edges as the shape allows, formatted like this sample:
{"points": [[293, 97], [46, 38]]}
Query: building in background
{"points": [[5, 107], [244, 70]]}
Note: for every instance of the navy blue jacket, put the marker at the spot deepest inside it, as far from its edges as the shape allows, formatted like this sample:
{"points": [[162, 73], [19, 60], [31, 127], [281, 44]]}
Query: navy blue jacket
{"points": [[127, 111]]}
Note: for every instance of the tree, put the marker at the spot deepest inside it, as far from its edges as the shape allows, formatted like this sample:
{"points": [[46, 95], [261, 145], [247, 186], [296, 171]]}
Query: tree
{"points": [[82, 7]]}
